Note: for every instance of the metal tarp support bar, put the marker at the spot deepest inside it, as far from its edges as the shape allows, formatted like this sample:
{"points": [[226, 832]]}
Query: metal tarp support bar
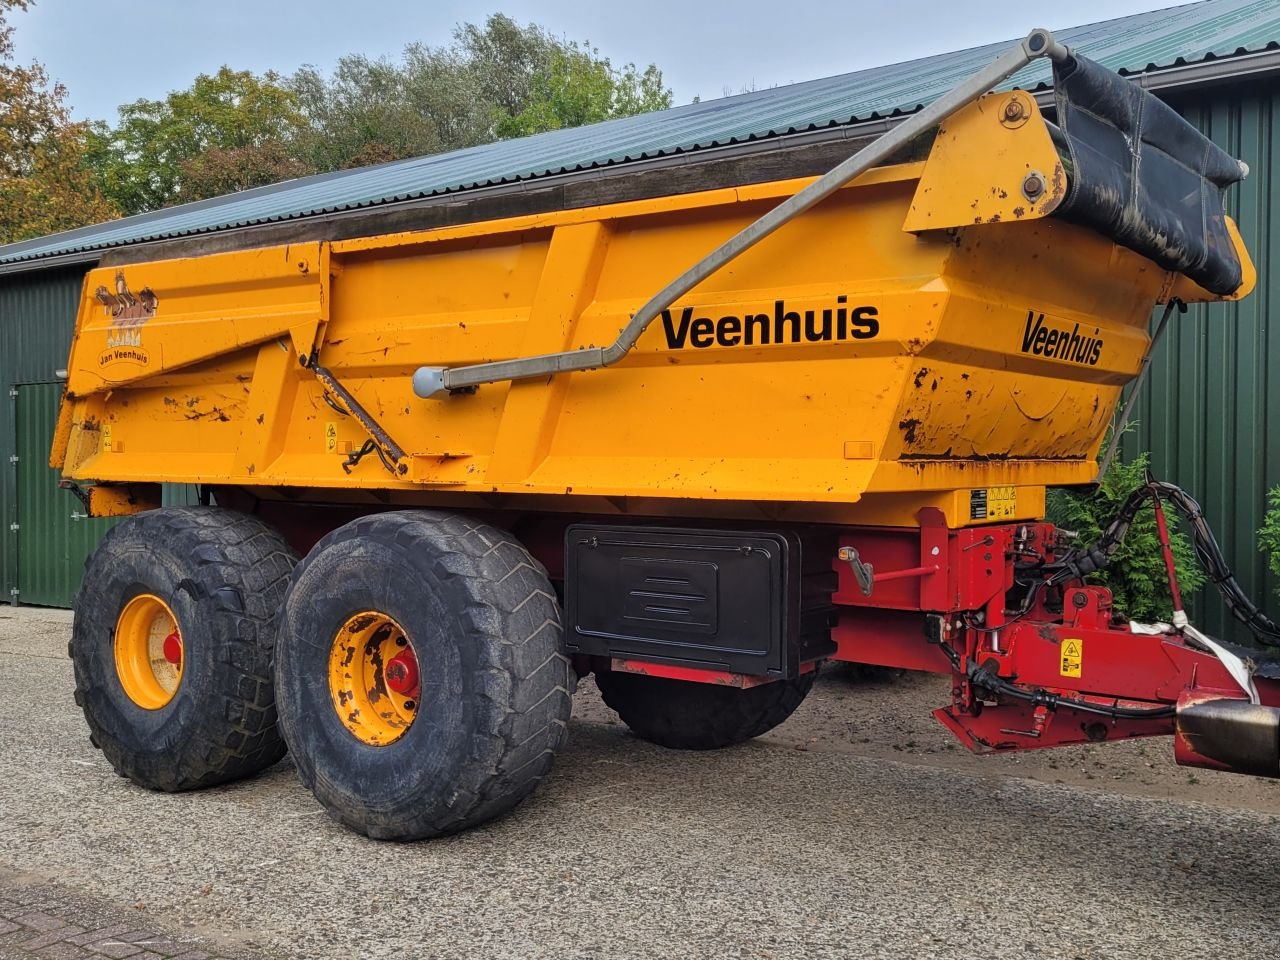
{"points": [[437, 382]]}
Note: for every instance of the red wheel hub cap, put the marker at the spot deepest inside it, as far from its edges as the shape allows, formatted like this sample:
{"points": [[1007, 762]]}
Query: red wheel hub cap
{"points": [[402, 673], [173, 648]]}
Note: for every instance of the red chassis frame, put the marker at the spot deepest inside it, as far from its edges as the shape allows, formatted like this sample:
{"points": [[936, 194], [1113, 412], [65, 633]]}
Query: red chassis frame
{"points": [[1069, 671]]}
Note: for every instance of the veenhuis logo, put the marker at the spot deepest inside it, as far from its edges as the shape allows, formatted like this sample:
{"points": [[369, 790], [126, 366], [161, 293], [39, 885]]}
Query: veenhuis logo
{"points": [[779, 325], [1043, 339], [128, 311]]}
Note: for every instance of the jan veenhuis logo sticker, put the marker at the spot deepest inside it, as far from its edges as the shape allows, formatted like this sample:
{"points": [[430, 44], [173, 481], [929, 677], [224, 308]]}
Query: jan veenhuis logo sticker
{"points": [[129, 311]]}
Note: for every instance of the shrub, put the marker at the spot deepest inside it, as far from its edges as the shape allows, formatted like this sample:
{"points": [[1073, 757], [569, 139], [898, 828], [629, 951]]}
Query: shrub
{"points": [[1269, 532], [1136, 574]]}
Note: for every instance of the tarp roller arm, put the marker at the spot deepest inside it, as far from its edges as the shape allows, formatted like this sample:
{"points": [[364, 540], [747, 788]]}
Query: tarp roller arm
{"points": [[436, 382]]}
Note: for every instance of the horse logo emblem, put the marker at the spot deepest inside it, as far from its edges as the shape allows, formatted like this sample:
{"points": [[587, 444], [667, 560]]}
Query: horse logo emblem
{"points": [[128, 310]]}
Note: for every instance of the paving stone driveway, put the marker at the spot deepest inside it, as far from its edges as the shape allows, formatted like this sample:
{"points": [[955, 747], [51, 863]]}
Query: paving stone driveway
{"points": [[37, 919]]}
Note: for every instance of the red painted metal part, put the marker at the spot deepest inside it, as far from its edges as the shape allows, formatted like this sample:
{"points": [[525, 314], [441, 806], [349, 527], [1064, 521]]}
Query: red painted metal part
{"points": [[886, 638], [1170, 570], [402, 674], [173, 648], [1066, 654], [694, 674], [1017, 725]]}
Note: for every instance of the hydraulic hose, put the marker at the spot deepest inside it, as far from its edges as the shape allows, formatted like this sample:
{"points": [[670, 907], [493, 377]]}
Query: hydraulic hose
{"points": [[1084, 561], [984, 679]]}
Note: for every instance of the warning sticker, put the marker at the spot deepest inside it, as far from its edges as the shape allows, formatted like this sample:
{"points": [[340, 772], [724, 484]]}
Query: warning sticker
{"points": [[993, 503], [106, 438], [331, 436], [1072, 657]]}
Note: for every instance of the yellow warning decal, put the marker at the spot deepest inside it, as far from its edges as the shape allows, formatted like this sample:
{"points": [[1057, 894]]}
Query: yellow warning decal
{"points": [[993, 503], [106, 438], [1072, 657], [331, 436], [1002, 503]]}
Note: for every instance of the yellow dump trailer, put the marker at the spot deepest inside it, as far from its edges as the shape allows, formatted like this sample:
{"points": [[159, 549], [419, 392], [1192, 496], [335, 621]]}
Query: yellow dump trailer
{"points": [[506, 461]]}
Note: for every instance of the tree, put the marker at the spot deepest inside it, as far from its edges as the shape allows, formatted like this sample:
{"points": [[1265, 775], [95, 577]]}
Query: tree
{"points": [[373, 111], [230, 131], [46, 184], [577, 86], [235, 130], [495, 81]]}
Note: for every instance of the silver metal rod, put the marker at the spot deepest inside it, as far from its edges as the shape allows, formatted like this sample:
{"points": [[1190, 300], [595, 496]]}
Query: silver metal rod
{"points": [[438, 382]]}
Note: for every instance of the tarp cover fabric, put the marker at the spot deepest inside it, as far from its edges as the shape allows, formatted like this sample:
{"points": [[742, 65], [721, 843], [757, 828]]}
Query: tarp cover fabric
{"points": [[1144, 176]]}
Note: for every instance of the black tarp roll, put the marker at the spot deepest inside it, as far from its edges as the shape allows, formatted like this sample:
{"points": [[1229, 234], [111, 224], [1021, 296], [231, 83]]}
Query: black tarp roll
{"points": [[1142, 175]]}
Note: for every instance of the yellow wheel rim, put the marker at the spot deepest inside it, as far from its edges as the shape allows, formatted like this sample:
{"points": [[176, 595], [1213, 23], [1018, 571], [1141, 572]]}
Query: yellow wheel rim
{"points": [[148, 651], [373, 678]]}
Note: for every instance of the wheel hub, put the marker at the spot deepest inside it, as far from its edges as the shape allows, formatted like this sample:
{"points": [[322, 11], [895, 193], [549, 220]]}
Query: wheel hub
{"points": [[148, 651], [373, 678]]}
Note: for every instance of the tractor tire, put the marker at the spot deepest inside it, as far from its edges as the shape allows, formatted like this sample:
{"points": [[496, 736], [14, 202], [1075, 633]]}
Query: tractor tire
{"points": [[685, 715], [458, 608], [214, 581]]}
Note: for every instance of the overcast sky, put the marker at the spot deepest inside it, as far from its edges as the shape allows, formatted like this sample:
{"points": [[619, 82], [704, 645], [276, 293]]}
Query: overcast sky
{"points": [[110, 52]]}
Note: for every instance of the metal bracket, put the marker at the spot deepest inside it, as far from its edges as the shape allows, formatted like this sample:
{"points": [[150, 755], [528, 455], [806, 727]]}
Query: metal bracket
{"points": [[389, 452], [863, 572], [80, 494], [434, 382]]}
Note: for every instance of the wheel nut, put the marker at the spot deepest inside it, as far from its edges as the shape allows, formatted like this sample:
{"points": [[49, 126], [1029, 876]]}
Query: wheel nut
{"points": [[410, 705]]}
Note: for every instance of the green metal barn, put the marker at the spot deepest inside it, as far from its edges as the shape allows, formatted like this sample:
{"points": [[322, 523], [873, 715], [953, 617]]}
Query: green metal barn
{"points": [[1209, 414]]}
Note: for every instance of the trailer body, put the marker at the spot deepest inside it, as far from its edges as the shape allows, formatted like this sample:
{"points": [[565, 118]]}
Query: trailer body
{"points": [[845, 369], [831, 442]]}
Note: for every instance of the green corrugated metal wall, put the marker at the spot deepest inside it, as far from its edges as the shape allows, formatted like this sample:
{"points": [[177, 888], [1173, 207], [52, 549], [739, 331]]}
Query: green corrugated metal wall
{"points": [[1210, 413], [37, 313], [44, 557], [54, 533]]}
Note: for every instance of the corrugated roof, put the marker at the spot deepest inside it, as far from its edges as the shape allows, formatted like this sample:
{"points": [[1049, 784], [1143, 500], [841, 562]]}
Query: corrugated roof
{"points": [[1190, 34]]}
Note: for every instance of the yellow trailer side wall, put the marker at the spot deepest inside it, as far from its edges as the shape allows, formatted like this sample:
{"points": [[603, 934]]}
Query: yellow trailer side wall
{"points": [[943, 398]]}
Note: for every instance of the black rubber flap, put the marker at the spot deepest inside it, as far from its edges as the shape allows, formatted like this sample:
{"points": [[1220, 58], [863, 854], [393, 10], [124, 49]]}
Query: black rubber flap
{"points": [[718, 599], [1144, 176]]}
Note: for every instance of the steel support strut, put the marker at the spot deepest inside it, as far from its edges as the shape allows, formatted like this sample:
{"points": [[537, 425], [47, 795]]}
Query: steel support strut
{"points": [[437, 382]]}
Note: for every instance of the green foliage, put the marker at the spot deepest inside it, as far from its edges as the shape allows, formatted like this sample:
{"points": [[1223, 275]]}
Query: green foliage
{"points": [[228, 131], [1269, 532], [495, 81], [577, 86], [46, 184], [235, 130], [1136, 575]]}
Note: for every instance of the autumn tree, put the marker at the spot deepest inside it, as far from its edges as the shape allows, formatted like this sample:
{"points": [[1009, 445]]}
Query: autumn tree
{"points": [[229, 131], [46, 184]]}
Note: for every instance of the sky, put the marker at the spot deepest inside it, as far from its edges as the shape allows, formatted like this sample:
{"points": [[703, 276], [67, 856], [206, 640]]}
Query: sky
{"points": [[109, 52]]}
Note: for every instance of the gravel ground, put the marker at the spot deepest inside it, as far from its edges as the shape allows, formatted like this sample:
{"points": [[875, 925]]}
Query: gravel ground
{"points": [[810, 843]]}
